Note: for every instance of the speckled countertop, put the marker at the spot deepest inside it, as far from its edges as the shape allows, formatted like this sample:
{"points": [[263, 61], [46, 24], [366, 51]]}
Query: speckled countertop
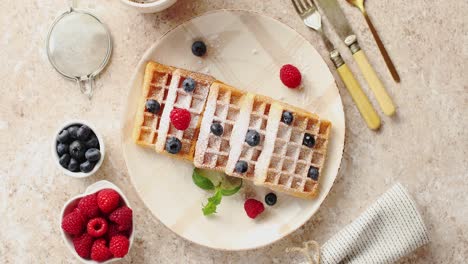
{"points": [[424, 147]]}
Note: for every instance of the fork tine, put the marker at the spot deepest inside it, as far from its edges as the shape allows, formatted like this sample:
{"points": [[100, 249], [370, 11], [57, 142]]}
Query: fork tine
{"points": [[311, 3], [300, 6], [306, 4], [296, 7]]}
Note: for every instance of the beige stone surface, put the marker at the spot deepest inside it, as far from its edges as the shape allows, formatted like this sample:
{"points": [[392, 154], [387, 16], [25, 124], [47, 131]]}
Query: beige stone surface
{"points": [[424, 147]]}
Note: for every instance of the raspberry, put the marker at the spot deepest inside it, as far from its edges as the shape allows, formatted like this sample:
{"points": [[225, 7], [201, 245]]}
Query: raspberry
{"points": [[83, 245], [99, 251], [119, 246], [73, 223], [113, 230], [253, 208], [180, 118], [88, 206], [97, 227], [123, 217], [290, 76], [108, 200]]}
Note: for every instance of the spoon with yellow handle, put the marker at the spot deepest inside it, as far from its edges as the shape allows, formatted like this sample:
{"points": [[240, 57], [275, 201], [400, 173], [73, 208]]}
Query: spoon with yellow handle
{"points": [[391, 67]]}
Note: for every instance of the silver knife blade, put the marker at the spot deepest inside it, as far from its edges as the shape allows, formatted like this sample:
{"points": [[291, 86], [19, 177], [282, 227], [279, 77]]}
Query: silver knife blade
{"points": [[335, 15]]}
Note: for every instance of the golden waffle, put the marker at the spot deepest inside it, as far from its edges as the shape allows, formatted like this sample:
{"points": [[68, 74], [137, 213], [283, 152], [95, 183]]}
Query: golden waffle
{"points": [[290, 160], [281, 161], [164, 84]]}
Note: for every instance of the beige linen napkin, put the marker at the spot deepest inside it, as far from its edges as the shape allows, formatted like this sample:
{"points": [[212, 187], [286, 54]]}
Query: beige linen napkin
{"points": [[388, 230]]}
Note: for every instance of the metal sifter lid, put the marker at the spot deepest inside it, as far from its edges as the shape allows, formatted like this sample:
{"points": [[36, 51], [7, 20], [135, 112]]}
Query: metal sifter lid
{"points": [[79, 47]]}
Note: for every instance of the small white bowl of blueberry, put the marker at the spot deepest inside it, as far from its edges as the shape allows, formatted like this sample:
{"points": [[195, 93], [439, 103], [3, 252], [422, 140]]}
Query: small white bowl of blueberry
{"points": [[78, 149]]}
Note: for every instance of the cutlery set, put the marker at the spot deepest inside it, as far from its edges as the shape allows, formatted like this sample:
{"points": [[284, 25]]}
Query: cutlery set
{"points": [[309, 13]]}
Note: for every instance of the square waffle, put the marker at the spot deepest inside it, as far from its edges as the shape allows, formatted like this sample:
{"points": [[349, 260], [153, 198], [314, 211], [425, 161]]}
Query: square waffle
{"points": [[164, 84], [290, 160]]}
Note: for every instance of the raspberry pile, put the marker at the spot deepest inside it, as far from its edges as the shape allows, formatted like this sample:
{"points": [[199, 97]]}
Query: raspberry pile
{"points": [[100, 226]]}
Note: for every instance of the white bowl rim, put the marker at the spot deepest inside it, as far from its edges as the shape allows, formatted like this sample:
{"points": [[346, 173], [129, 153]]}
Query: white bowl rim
{"points": [[93, 188], [157, 3], [102, 148]]}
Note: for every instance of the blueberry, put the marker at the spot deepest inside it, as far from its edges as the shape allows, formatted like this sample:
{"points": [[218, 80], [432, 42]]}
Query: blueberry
{"points": [[173, 145], [287, 117], [198, 48], [189, 85], [93, 154], [62, 149], [92, 142], [77, 150], [73, 166], [252, 138], [152, 106], [64, 160], [217, 129], [73, 131], [83, 132], [270, 199], [313, 173], [63, 136], [87, 166], [308, 140], [241, 166]]}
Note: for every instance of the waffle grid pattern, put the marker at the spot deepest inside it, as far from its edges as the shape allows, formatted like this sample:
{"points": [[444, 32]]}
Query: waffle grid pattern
{"points": [[258, 122], [158, 89], [194, 102], [226, 112], [291, 160]]}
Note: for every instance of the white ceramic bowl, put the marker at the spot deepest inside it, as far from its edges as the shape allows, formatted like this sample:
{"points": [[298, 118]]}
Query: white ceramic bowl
{"points": [[152, 7], [102, 149], [73, 202]]}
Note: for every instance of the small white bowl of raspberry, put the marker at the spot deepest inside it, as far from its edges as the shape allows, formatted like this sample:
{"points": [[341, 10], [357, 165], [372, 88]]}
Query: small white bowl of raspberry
{"points": [[97, 226]]}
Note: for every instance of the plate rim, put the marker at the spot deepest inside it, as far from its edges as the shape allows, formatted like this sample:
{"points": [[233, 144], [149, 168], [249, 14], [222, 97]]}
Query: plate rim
{"points": [[126, 106]]}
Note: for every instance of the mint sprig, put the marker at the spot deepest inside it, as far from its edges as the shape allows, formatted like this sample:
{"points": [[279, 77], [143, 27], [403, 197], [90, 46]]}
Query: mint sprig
{"points": [[223, 186], [213, 202]]}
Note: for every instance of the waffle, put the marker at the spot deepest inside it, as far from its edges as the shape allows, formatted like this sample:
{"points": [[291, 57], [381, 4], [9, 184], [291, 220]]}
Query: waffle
{"points": [[163, 84], [280, 161], [285, 165]]}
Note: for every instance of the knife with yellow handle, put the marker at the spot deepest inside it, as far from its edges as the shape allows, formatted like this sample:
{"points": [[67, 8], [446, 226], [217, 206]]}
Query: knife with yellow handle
{"points": [[371, 77], [359, 97], [337, 18]]}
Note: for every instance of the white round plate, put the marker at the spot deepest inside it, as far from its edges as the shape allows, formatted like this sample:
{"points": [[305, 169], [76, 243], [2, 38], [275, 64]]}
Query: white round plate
{"points": [[245, 50]]}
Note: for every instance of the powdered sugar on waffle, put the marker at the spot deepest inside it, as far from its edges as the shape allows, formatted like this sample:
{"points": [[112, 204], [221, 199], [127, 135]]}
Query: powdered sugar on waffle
{"points": [[239, 131], [264, 159], [202, 143], [165, 120]]}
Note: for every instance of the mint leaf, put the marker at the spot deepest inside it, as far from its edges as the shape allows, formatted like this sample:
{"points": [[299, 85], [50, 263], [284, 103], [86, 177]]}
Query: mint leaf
{"points": [[202, 181], [213, 202], [232, 191]]}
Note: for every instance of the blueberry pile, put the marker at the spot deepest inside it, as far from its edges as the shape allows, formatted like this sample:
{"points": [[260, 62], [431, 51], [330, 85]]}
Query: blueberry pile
{"points": [[78, 148]]}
